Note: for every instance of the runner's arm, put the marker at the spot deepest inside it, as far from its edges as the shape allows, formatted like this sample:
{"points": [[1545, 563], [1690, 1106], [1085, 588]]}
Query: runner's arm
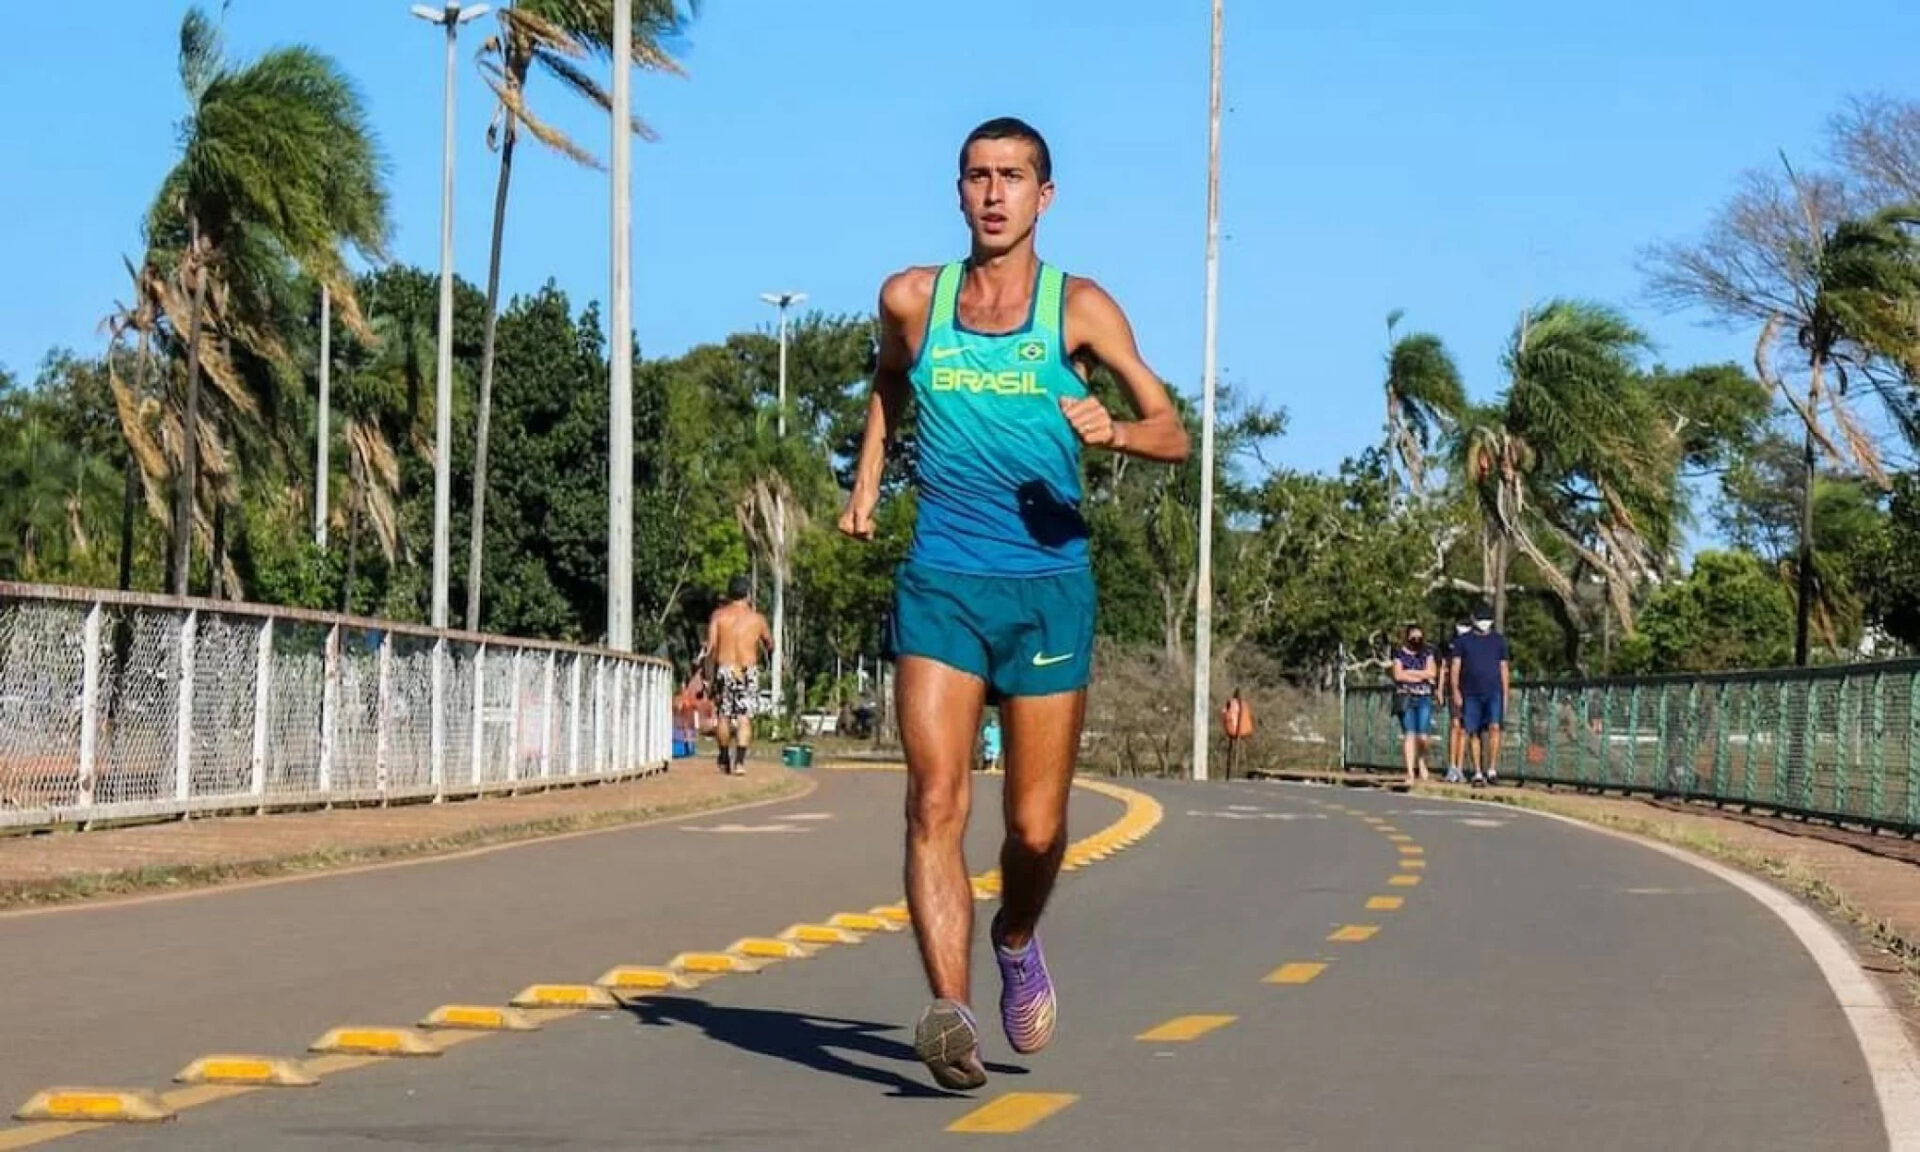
{"points": [[1100, 327], [901, 297]]}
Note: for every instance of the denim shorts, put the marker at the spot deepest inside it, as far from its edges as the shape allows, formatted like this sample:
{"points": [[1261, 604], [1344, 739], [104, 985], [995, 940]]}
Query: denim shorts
{"points": [[1416, 715]]}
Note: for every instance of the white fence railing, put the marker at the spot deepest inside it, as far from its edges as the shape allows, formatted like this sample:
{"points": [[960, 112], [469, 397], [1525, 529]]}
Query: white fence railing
{"points": [[118, 705]]}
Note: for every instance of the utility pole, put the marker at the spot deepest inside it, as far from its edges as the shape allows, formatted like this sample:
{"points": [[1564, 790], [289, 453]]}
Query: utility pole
{"points": [[620, 406], [320, 436], [782, 301], [1203, 594], [450, 17]]}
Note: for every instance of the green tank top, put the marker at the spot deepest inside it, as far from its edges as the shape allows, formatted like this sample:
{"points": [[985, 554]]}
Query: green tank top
{"points": [[998, 469]]}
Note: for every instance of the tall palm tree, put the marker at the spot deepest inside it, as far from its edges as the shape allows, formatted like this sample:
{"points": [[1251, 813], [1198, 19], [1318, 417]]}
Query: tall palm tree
{"points": [[554, 36], [1860, 320], [1575, 459], [277, 164], [1424, 397]]}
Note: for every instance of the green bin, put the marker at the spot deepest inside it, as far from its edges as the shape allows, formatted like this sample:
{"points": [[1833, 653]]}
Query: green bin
{"points": [[797, 756]]}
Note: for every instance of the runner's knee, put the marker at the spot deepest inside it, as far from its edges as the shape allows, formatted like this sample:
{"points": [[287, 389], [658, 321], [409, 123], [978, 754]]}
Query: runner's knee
{"points": [[1037, 834], [936, 809]]}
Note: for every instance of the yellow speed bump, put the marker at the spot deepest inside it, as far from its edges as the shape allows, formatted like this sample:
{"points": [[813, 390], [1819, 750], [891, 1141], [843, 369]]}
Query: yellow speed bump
{"points": [[375, 1042], [479, 1018], [820, 934], [98, 1105], [263, 1070], [563, 996], [868, 922], [709, 963], [628, 978], [893, 913], [761, 948]]}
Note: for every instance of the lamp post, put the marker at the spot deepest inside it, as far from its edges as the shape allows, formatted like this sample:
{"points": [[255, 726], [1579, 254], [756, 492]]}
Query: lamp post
{"points": [[320, 433], [620, 374], [782, 301], [1203, 592], [449, 17]]}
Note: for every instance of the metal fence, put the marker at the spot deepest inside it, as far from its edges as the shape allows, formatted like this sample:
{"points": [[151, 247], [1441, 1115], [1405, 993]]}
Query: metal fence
{"points": [[1841, 742], [116, 705]]}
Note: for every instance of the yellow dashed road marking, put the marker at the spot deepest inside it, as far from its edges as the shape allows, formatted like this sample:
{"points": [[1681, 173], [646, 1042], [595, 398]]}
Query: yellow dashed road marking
{"points": [[1413, 865], [1014, 1112], [1353, 933], [1384, 903], [1401, 838], [1412, 850], [1299, 973], [1186, 1028], [1404, 880]]}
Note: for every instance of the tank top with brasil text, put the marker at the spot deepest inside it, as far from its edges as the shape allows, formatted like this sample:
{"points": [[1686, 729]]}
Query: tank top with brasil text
{"points": [[998, 465]]}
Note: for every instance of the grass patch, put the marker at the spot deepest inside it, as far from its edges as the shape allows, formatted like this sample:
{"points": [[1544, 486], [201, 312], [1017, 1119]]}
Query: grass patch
{"points": [[1794, 875], [180, 877]]}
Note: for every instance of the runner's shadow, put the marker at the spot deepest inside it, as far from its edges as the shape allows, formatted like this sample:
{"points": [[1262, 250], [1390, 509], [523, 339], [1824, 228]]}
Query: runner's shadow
{"points": [[801, 1038]]}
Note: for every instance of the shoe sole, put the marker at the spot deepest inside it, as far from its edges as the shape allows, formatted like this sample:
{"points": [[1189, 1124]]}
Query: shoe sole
{"points": [[947, 1045]]}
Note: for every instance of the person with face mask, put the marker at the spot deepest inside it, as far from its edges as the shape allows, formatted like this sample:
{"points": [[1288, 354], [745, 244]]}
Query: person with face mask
{"points": [[1415, 672], [1456, 741], [1482, 677]]}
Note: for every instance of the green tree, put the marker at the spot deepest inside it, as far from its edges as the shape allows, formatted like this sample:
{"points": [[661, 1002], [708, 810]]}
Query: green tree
{"points": [[1729, 612], [277, 165], [553, 36], [1424, 397]]}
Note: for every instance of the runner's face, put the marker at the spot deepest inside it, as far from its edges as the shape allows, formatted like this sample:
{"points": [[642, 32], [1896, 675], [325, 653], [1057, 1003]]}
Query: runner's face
{"points": [[1001, 194]]}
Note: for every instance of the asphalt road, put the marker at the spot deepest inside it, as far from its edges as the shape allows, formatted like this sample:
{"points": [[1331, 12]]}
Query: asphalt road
{"points": [[1537, 986]]}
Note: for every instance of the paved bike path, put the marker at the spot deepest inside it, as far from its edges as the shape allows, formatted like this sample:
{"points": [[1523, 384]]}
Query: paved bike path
{"points": [[1536, 985]]}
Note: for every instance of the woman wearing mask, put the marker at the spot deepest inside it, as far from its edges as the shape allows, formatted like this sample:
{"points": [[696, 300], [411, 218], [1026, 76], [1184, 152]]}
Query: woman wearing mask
{"points": [[1415, 674]]}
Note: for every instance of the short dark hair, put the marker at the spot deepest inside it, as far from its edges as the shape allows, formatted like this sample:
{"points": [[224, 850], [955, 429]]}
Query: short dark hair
{"points": [[1012, 128], [737, 588]]}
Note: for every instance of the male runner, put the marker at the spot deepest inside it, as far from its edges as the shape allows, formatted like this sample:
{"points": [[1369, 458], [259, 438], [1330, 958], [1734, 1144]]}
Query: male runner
{"points": [[996, 595], [736, 635]]}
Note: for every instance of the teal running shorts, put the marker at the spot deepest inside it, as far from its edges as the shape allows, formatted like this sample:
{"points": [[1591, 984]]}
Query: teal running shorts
{"points": [[1022, 635]]}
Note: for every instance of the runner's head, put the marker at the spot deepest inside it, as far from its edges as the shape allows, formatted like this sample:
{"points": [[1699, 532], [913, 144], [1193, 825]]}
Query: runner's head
{"points": [[1006, 182], [738, 588]]}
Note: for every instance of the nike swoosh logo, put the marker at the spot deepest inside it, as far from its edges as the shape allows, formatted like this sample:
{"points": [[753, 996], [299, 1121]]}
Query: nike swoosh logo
{"points": [[944, 353], [1040, 661]]}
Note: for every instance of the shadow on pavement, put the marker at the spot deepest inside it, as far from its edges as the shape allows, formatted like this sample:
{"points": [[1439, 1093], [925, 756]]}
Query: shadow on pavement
{"points": [[803, 1039]]}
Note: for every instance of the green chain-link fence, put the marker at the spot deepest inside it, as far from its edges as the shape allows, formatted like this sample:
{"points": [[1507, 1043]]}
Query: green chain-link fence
{"points": [[1840, 742]]}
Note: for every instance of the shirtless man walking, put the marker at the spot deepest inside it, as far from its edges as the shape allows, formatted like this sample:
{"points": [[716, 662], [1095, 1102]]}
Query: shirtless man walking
{"points": [[736, 635], [996, 597]]}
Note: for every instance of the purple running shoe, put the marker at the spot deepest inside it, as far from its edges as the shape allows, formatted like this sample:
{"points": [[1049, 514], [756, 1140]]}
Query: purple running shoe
{"points": [[1027, 1002]]}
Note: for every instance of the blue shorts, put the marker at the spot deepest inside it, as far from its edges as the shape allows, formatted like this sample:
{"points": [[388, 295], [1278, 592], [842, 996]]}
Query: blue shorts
{"points": [[1021, 635], [1479, 713], [1416, 715]]}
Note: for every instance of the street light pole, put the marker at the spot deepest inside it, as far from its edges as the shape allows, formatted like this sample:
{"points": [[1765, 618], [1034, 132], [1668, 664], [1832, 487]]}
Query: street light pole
{"points": [[620, 376], [782, 301], [450, 17], [320, 435], [1203, 593]]}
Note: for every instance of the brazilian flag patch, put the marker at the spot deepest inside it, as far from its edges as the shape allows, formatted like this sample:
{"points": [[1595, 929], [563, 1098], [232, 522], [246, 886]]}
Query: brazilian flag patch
{"points": [[1032, 351]]}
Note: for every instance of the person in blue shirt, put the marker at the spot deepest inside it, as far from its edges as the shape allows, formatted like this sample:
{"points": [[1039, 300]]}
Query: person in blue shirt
{"points": [[1482, 677], [990, 743], [1415, 675], [995, 600]]}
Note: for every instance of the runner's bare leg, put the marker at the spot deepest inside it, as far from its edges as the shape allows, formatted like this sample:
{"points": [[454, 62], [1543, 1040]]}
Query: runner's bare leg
{"points": [[939, 709], [1042, 743]]}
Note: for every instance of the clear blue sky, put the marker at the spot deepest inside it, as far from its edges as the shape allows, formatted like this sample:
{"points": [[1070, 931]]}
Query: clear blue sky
{"points": [[1376, 156]]}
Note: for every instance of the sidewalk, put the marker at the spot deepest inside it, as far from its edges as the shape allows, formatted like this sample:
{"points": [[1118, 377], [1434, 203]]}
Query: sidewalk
{"points": [[65, 867]]}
